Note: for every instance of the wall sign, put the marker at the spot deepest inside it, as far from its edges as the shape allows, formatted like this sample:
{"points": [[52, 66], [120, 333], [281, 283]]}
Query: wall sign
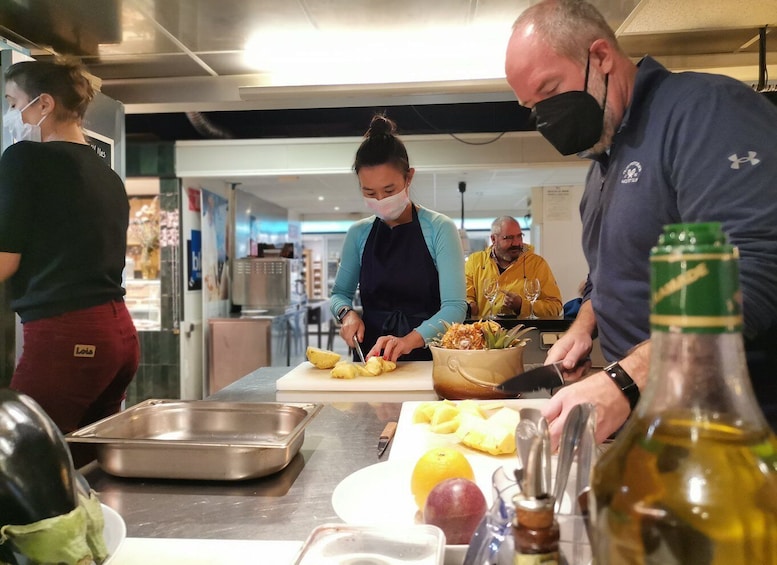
{"points": [[102, 145]]}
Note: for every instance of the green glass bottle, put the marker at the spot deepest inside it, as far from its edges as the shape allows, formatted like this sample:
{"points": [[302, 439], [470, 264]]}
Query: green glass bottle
{"points": [[692, 477]]}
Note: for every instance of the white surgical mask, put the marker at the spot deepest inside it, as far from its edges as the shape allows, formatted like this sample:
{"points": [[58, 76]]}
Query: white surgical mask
{"points": [[389, 208], [21, 131]]}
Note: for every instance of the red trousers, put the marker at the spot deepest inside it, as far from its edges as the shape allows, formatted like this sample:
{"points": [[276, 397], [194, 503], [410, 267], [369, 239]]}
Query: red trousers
{"points": [[78, 365]]}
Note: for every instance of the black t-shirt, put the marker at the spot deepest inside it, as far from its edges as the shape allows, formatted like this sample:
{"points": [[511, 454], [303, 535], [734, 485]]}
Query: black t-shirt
{"points": [[66, 212]]}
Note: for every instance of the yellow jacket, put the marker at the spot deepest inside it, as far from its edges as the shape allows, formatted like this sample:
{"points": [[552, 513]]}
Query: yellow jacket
{"points": [[481, 266]]}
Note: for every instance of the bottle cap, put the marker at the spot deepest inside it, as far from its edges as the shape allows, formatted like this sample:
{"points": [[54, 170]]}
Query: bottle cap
{"points": [[694, 282]]}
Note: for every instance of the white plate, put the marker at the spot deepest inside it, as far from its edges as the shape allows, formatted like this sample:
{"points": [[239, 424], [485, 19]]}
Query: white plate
{"points": [[114, 532], [379, 495]]}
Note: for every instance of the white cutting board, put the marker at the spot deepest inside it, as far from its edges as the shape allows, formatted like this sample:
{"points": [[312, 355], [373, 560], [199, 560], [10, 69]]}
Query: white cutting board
{"points": [[411, 440], [408, 376]]}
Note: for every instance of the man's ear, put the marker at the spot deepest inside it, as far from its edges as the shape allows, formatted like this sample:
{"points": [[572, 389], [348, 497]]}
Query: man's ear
{"points": [[601, 56]]}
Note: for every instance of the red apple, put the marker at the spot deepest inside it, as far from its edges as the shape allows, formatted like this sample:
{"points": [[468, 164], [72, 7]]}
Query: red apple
{"points": [[456, 506]]}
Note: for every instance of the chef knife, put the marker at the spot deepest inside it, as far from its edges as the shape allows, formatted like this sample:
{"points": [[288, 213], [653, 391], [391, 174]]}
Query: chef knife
{"points": [[358, 349], [385, 437], [547, 376]]}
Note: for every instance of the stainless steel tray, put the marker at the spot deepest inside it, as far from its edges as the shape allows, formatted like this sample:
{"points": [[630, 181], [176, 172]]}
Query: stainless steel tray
{"points": [[199, 439]]}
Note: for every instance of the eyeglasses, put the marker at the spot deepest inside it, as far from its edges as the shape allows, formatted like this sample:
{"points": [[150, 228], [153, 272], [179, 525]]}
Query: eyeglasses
{"points": [[510, 237]]}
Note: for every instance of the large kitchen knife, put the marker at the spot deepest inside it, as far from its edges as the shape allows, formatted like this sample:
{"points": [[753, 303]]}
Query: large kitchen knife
{"points": [[358, 349], [548, 376]]}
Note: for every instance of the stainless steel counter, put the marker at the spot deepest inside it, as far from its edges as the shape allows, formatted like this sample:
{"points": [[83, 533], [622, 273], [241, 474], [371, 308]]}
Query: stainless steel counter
{"points": [[341, 439]]}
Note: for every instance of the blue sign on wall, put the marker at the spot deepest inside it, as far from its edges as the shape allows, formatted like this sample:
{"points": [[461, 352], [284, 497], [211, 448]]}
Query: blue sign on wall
{"points": [[194, 260]]}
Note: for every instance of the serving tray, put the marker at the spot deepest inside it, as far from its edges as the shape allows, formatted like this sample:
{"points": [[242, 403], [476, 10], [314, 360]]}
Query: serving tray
{"points": [[198, 439]]}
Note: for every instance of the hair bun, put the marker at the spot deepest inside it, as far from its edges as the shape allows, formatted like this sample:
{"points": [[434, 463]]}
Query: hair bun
{"points": [[381, 126]]}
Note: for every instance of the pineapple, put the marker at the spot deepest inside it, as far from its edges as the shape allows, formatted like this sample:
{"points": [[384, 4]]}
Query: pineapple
{"points": [[468, 419], [481, 335]]}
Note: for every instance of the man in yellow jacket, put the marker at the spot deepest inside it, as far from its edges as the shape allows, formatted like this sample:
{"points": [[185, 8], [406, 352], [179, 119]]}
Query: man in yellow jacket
{"points": [[509, 262]]}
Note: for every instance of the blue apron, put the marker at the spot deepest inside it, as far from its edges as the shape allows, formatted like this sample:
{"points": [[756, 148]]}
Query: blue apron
{"points": [[398, 284]]}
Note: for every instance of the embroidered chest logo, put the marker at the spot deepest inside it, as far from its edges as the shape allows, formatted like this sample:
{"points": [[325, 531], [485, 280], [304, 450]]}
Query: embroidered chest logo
{"points": [[631, 173], [737, 161], [81, 350]]}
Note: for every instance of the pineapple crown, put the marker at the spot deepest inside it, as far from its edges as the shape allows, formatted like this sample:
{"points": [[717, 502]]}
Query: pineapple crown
{"points": [[481, 335]]}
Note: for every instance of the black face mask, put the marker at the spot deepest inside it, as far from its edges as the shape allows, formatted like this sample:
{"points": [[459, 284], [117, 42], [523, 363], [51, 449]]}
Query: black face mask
{"points": [[571, 121]]}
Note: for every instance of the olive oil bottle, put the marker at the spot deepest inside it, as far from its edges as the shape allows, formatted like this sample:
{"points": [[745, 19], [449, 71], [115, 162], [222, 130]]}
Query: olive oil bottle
{"points": [[692, 477]]}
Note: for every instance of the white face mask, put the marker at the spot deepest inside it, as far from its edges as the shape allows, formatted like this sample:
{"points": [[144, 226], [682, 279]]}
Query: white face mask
{"points": [[21, 131], [389, 208]]}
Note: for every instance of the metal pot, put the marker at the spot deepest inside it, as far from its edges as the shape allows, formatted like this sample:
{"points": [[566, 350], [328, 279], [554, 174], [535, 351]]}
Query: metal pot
{"points": [[472, 373]]}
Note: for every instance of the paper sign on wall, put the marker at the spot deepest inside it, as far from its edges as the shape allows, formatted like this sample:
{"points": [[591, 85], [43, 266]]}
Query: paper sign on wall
{"points": [[557, 204]]}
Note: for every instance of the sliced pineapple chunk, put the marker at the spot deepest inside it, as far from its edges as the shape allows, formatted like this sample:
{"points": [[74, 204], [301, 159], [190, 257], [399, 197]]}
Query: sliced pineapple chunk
{"points": [[344, 370], [471, 407], [423, 413], [444, 413], [487, 436], [321, 358], [447, 427], [507, 418], [373, 367], [388, 366]]}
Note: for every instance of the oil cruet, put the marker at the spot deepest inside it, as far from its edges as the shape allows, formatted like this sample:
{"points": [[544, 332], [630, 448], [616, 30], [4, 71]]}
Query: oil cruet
{"points": [[692, 477]]}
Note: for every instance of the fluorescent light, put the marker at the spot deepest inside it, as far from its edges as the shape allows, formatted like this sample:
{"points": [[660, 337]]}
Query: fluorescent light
{"points": [[396, 94], [369, 57]]}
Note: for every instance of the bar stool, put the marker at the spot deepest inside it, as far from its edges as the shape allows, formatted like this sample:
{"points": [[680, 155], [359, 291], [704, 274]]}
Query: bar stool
{"points": [[334, 328]]}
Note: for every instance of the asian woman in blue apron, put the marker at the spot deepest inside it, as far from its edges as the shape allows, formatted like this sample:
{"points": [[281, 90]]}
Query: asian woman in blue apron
{"points": [[406, 259]]}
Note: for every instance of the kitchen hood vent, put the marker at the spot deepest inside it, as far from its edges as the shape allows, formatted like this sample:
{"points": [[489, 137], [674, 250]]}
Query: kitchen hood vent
{"points": [[668, 16]]}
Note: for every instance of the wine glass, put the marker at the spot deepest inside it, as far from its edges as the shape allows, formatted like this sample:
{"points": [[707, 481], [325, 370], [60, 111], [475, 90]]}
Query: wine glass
{"points": [[531, 290], [490, 291]]}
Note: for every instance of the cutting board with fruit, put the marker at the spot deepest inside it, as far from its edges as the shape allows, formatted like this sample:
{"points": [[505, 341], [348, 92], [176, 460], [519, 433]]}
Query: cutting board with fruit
{"points": [[479, 441], [325, 376], [409, 375]]}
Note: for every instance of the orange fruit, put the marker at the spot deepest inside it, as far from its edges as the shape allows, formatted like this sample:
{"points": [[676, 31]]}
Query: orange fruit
{"points": [[435, 466]]}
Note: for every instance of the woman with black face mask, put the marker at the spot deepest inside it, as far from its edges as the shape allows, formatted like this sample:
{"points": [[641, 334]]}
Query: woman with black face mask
{"points": [[63, 239], [406, 260]]}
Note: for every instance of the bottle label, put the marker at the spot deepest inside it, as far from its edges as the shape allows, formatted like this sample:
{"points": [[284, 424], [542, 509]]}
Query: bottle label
{"points": [[696, 292], [550, 558]]}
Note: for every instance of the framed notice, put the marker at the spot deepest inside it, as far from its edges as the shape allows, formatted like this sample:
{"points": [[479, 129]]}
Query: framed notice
{"points": [[102, 145]]}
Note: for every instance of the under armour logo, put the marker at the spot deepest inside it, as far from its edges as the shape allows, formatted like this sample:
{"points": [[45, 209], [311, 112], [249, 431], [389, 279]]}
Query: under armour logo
{"points": [[736, 160]]}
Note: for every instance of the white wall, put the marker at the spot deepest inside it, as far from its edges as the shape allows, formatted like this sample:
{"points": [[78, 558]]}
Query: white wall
{"points": [[557, 234]]}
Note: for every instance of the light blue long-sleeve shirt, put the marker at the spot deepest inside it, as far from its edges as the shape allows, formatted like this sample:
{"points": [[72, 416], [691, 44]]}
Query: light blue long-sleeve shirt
{"points": [[442, 239]]}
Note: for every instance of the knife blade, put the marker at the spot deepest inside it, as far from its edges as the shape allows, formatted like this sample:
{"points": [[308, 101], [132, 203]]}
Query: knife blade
{"points": [[547, 376], [385, 437], [358, 349]]}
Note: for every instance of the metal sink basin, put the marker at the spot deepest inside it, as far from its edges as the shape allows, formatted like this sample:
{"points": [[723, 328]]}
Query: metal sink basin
{"points": [[199, 439]]}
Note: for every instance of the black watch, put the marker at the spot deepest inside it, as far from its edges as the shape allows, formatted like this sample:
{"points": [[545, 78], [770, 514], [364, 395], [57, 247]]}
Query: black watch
{"points": [[624, 382], [342, 313]]}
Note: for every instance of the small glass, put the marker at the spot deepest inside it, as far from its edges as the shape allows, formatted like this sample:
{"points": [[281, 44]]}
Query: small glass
{"points": [[491, 291], [531, 290], [492, 542]]}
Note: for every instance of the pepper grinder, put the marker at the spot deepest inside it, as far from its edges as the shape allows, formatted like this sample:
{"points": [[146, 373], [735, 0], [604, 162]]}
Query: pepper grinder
{"points": [[535, 529]]}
